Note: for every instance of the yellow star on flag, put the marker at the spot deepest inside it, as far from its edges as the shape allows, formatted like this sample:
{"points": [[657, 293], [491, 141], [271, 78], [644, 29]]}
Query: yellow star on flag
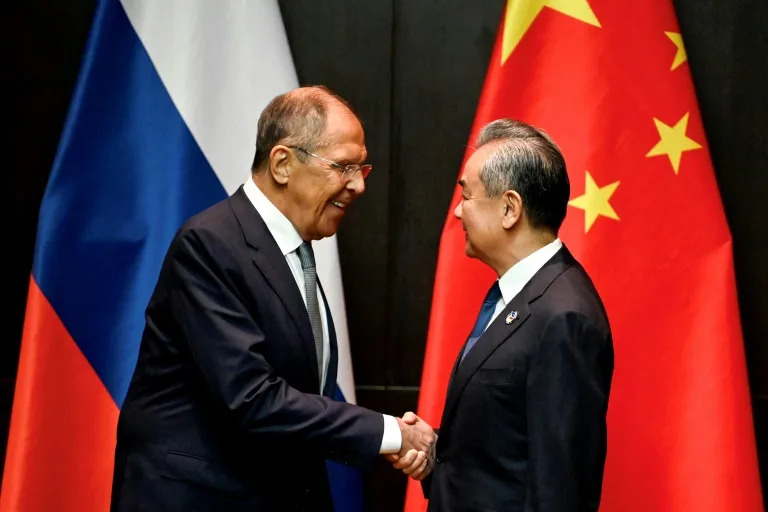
{"points": [[521, 13], [594, 202], [680, 56], [673, 141]]}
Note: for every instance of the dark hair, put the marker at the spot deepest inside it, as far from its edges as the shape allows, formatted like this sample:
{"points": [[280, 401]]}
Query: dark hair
{"points": [[529, 162], [296, 118]]}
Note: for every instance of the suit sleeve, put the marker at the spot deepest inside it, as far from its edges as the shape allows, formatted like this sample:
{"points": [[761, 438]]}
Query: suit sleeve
{"points": [[226, 344], [567, 399]]}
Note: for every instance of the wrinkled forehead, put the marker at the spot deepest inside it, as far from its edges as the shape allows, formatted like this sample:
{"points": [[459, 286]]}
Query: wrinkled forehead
{"points": [[341, 122], [344, 133]]}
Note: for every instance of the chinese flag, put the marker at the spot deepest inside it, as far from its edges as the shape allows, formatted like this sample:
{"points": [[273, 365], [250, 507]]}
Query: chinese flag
{"points": [[609, 81]]}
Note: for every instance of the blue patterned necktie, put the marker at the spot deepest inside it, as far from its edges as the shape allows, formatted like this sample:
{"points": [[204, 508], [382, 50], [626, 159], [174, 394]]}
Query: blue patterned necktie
{"points": [[486, 312]]}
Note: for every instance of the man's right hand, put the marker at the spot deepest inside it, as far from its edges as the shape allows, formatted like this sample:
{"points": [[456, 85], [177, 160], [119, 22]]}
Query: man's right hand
{"points": [[416, 456]]}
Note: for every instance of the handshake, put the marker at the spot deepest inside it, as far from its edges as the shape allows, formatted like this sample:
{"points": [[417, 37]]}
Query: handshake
{"points": [[417, 451]]}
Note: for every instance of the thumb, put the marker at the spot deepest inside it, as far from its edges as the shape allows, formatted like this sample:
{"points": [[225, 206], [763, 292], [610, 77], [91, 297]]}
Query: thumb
{"points": [[410, 418]]}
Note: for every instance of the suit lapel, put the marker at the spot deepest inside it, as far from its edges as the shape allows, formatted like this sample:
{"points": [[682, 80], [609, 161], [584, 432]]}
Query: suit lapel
{"points": [[499, 331], [494, 336], [271, 263]]}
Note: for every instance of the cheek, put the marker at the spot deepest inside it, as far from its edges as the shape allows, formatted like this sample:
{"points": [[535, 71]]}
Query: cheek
{"points": [[316, 194], [477, 221], [330, 190], [322, 197], [472, 218]]}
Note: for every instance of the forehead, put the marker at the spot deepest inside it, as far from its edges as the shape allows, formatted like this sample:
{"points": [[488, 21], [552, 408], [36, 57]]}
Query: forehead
{"points": [[341, 125], [344, 133]]}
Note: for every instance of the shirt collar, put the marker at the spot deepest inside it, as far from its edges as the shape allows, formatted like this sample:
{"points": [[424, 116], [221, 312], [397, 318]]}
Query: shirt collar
{"points": [[286, 236], [521, 272]]}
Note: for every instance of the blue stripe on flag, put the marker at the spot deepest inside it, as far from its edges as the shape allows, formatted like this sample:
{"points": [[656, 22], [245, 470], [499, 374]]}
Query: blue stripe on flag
{"points": [[346, 482], [127, 174]]}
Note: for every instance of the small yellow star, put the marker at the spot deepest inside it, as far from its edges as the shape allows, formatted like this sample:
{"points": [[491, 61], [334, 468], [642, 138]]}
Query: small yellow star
{"points": [[680, 56], [673, 141], [594, 202], [521, 13]]}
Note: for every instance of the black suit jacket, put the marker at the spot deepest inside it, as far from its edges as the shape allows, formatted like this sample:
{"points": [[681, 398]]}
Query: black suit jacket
{"points": [[523, 427], [224, 411]]}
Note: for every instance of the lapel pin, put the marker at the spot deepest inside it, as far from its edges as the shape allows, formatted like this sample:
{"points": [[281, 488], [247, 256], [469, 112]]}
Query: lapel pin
{"points": [[511, 317]]}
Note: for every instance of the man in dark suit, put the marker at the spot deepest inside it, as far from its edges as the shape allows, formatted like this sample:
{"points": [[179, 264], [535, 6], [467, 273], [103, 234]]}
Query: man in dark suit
{"points": [[523, 428], [229, 407]]}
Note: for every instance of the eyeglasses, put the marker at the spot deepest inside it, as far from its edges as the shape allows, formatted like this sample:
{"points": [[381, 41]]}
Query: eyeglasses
{"points": [[347, 171]]}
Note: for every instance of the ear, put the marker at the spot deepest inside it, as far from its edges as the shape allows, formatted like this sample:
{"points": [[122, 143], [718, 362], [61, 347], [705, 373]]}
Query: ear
{"points": [[281, 161], [513, 208]]}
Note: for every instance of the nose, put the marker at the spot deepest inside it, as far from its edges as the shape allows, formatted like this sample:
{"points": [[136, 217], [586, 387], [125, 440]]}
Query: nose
{"points": [[356, 183], [457, 211]]}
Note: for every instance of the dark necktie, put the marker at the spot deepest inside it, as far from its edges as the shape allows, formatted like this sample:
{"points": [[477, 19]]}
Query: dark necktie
{"points": [[486, 312], [307, 257]]}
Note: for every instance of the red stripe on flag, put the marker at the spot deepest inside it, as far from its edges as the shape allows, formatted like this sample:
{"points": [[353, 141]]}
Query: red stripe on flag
{"points": [[62, 439]]}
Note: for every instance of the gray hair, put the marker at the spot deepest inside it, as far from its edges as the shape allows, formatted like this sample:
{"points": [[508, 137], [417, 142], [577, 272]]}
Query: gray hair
{"points": [[528, 161], [296, 118]]}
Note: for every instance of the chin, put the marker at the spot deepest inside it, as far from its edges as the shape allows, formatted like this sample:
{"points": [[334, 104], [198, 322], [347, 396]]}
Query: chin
{"points": [[469, 250], [327, 230]]}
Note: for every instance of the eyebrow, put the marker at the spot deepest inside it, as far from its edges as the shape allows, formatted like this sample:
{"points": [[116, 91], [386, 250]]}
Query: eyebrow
{"points": [[349, 161]]}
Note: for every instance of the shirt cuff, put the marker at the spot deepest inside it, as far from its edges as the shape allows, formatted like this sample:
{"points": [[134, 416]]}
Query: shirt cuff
{"points": [[392, 438]]}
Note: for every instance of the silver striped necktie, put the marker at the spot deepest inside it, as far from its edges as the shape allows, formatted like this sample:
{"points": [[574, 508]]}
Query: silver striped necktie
{"points": [[307, 257]]}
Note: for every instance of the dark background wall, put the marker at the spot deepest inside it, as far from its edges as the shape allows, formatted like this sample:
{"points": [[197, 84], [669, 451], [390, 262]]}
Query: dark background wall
{"points": [[413, 69]]}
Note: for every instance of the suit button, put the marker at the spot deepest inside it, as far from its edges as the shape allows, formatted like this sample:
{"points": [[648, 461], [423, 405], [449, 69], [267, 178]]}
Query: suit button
{"points": [[439, 458]]}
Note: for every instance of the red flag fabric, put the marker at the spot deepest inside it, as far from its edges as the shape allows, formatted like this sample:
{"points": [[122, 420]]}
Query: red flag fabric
{"points": [[609, 81]]}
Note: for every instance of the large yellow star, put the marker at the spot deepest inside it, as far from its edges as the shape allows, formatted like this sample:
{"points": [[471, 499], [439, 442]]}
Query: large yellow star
{"points": [[521, 13], [680, 56], [673, 141], [594, 202]]}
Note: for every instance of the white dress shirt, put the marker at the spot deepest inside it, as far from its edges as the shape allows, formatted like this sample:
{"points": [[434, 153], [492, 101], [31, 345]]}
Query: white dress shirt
{"points": [[289, 240], [521, 272]]}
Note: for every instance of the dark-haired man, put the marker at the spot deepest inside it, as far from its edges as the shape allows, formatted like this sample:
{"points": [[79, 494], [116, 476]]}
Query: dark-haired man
{"points": [[523, 427], [229, 407]]}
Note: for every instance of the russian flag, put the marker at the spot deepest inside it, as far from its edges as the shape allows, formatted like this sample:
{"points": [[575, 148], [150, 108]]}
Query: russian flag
{"points": [[162, 124]]}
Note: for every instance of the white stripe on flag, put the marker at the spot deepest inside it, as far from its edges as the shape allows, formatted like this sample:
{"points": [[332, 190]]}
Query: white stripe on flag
{"points": [[221, 62]]}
